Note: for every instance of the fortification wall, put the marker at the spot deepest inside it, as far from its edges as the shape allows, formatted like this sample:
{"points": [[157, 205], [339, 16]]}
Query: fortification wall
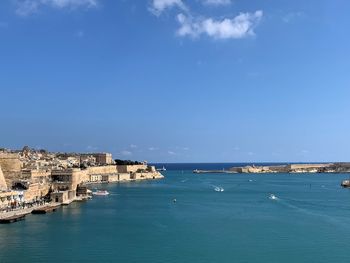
{"points": [[124, 177], [131, 168], [278, 168], [11, 167], [110, 169], [145, 176], [78, 177], [10, 162], [3, 184], [309, 166]]}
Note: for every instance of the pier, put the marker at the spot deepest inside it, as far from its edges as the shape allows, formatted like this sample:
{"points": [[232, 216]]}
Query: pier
{"points": [[12, 219], [45, 209]]}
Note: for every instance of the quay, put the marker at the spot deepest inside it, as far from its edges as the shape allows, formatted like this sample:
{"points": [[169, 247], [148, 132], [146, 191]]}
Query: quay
{"points": [[12, 219], [45, 209], [14, 216], [17, 214], [37, 181]]}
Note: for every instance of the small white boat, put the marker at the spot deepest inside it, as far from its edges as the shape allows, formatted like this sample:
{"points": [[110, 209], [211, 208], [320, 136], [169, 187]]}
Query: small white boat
{"points": [[100, 192], [273, 197], [161, 169]]}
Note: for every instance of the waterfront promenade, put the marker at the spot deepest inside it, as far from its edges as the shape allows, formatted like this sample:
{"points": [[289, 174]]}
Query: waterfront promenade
{"points": [[23, 211]]}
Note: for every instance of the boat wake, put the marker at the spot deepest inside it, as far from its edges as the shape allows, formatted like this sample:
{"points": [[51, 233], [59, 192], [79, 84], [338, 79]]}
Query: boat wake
{"points": [[317, 214], [218, 189]]}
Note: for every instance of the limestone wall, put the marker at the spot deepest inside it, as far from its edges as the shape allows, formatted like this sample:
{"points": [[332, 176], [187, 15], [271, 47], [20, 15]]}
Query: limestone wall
{"points": [[308, 166], [10, 162], [124, 177], [35, 191], [11, 167], [60, 197], [278, 168], [113, 178], [109, 169], [78, 177], [131, 168], [35, 173], [69, 178], [149, 175], [3, 184]]}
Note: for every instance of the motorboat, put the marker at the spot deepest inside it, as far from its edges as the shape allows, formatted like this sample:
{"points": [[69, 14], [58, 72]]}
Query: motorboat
{"points": [[345, 183], [273, 197], [100, 192]]}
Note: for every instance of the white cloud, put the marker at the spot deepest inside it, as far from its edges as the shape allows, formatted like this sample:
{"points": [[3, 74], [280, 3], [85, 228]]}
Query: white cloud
{"points": [[158, 6], [133, 146], [91, 148], [290, 17], [217, 2], [126, 153], [27, 7], [171, 153], [182, 148], [240, 26], [152, 148]]}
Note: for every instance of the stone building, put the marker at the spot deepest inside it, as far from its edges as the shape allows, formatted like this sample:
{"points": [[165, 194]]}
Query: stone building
{"points": [[68, 179], [63, 196], [103, 158], [35, 174], [65, 183], [35, 192]]}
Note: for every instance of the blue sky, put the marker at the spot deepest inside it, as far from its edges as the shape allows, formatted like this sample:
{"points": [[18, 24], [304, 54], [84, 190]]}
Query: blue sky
{"points": [[177, 80]]}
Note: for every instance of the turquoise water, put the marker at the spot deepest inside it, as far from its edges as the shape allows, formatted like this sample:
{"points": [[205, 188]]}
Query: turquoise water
{"points": [[139, 222]]}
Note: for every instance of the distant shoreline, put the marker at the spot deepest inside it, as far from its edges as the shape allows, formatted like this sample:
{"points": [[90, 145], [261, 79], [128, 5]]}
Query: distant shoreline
{"points": [[285, 168]]}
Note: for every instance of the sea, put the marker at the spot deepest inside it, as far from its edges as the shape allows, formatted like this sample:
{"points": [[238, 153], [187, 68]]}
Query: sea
{"points": [[189, 217]]}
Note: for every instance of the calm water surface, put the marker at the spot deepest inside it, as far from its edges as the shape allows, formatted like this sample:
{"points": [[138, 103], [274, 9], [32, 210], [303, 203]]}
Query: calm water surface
{"points": [[139, 222]]}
